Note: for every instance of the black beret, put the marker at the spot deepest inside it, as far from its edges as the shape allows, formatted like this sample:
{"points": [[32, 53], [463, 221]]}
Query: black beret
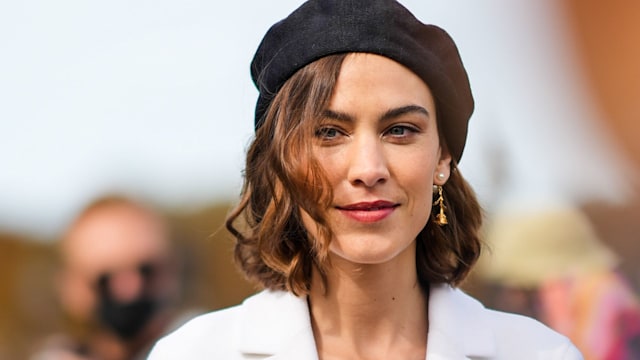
{"points": [[323, 27]]}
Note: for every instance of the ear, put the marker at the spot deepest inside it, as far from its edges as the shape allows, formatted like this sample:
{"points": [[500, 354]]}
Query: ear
{"points": [[443, 168]]}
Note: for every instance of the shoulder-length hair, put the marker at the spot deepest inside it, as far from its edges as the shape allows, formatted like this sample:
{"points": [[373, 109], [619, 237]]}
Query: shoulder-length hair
{"points": [[282, 178]]}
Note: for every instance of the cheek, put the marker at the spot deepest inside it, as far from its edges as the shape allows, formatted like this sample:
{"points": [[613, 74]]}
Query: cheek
{"points": [[417, 182], [78, 297], [332, 162], [415, 168]]}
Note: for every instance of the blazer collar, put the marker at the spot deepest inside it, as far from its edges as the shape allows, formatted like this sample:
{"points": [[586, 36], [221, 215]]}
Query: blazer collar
{"points": [[277, 324], [459, 327]]}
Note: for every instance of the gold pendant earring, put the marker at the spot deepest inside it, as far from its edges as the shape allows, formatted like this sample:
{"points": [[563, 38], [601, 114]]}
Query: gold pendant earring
{"points": [[441, 218]]}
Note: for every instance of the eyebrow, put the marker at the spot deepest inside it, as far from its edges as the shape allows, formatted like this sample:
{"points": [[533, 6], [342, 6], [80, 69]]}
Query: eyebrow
{"points": [[390, 114], [397, 112], [337, 115]]}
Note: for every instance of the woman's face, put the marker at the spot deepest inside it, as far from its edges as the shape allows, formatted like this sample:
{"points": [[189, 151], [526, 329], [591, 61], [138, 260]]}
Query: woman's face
{"points": [[378, 146]]}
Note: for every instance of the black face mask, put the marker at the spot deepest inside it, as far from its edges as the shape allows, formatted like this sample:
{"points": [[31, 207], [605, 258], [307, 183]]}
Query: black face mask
{"points": [[125, 319]]}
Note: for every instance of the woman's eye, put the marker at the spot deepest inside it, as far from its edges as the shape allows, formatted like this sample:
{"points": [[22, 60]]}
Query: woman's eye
{"points": [[399, 130], [327, 133]]}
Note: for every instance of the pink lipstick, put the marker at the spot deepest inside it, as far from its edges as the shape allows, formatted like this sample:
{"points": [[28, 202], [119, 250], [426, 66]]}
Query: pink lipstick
{"points": [[368, 212]]}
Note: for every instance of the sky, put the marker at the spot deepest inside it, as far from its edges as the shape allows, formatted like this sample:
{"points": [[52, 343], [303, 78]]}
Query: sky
{"points": [[154, 99]]}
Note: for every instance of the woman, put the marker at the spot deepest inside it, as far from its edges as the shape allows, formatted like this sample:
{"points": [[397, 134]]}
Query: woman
{"points": [[353, 215], [550, 262]]}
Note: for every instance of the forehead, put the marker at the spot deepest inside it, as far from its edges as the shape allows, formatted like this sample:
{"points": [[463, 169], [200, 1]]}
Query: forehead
{"points": [[381, 80], [113, 237]]}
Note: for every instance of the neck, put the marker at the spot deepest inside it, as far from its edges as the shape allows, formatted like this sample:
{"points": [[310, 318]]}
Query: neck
{"points": [[370, 310]]}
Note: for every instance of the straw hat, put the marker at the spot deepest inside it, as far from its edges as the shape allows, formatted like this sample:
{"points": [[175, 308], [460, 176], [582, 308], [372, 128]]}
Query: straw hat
{"points": [[528, 247]]}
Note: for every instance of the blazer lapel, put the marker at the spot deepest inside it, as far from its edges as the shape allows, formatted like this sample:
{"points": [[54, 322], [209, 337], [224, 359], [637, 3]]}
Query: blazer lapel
{"points": [[276, 325], [458, 326]]}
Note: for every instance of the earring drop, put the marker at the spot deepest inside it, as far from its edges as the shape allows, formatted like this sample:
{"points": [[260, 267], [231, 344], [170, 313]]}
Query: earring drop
{"points": [[441, 218]]}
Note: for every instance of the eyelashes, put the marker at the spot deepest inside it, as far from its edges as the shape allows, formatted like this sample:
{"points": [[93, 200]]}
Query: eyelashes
{"points": [[328, 133]]}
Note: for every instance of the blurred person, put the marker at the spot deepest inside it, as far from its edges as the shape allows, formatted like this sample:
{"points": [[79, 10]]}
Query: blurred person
{"points": [[354, 217], [550, 264], [118, 285]]}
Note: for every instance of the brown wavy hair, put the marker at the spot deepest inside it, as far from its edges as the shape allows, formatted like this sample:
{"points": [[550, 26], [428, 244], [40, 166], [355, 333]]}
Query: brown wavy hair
{"points": [[282, 177]]}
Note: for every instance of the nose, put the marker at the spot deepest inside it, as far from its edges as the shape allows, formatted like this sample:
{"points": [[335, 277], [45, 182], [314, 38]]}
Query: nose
{"points": [[368, 164], [126, 285]]}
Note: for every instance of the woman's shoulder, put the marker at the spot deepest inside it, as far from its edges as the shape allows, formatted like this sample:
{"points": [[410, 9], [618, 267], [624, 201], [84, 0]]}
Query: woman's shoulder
{"points": [[493, 334], [198, 336], [516, 333], [211, 322], [227, 333]]}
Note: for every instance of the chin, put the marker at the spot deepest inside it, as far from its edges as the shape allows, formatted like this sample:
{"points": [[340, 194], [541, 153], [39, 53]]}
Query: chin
{"points": [[371, 251]]}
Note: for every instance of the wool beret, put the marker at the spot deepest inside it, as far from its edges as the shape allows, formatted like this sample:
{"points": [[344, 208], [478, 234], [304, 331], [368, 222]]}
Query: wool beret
{"points": [[324, 27]]}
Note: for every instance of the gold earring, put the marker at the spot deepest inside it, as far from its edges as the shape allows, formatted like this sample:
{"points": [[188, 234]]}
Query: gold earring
{"points": [[441, 218]]}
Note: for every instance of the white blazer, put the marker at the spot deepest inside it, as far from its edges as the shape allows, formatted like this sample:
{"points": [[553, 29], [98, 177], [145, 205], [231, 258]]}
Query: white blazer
{"points": [[276, 325]]}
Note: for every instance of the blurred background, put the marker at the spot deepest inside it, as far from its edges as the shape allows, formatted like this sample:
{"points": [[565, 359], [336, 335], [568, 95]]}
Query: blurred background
{"points": [[153, 100]]}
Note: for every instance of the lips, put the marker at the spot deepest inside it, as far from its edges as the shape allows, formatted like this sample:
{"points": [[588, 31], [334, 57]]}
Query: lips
{"points": [[368, 212]]}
